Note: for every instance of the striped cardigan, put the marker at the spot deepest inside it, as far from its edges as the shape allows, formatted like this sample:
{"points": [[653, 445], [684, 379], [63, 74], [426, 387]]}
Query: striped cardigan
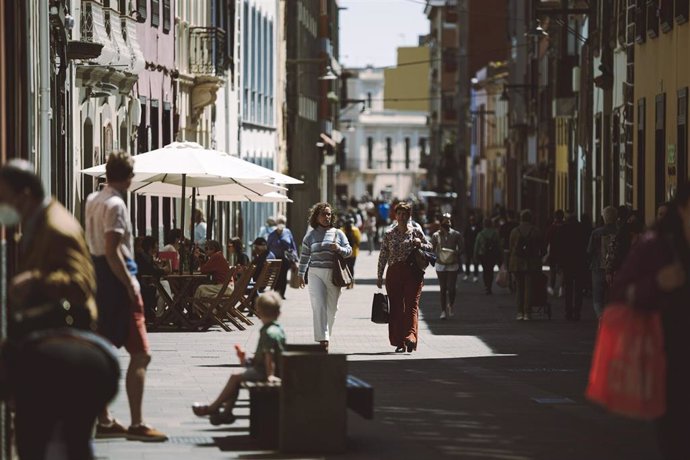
{"points": [[314, 254]]}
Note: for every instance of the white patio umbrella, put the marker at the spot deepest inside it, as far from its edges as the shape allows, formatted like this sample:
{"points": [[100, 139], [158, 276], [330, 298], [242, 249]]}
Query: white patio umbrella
{"points": [[185, 164], [199, 166]]}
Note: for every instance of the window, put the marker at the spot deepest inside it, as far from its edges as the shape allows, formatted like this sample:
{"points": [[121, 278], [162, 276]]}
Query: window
{"points": [[407, 153], [422, 146], [155, 13], [389, 153], [682, 138], [155, 128], [682, 8], [167, 128], [640, 21], [368, 100], [143, 132], [370, 153], [666, 15], [141, 9], [641, 141], [652, 18], [166, 16], [660, 148]]}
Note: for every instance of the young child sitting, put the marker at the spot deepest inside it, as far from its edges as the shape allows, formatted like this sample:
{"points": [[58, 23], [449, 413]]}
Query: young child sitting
{"points": [[264, 366]]}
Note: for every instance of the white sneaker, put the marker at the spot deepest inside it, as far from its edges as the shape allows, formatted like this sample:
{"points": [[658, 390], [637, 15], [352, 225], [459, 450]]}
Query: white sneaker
{"points": [[475, 279], [520, 317], [465, 277], [443, 314]]}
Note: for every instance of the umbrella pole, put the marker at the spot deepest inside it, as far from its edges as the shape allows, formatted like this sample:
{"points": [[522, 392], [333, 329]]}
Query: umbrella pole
{"points": [[183, 203], [192, 211]]}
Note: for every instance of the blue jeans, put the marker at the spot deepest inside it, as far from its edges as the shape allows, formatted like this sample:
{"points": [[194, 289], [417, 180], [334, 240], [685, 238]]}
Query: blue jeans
{"points": [[599, 289]]}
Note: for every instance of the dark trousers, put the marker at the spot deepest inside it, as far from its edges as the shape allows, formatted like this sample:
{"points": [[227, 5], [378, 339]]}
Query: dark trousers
{"points": [[524, 282], [573, 287], [447, 281], [281, 280], [488, 274], [60, 384], [404, 287]]}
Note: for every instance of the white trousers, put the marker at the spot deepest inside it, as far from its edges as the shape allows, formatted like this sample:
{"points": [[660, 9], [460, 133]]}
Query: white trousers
{"points": [[324, 301]]}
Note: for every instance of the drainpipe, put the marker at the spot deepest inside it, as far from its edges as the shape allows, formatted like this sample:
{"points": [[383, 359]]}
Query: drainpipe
{"points": [[44, 147]]}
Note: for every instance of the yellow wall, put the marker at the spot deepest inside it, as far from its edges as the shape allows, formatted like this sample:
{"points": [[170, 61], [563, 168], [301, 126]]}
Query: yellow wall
{"points": [[661, 66], [408, 81], [561, 187]]}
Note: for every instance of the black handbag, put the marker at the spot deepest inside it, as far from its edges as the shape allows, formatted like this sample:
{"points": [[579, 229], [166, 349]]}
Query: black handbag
{"points": [[341, 275], [380, 310]]}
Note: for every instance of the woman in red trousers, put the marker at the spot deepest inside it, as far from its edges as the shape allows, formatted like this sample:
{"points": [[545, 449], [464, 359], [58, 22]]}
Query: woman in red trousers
{"points": [[403, 282]]}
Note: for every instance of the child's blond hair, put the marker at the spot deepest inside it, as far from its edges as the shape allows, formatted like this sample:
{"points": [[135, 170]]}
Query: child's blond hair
{"points": [[268, 304]]}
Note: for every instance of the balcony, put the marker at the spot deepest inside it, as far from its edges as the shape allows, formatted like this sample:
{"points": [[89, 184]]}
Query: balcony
{"points": [[207, 56], [120, 59]]}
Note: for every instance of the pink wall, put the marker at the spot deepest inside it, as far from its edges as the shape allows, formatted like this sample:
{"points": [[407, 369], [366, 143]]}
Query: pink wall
{"points": [[158, 49]]}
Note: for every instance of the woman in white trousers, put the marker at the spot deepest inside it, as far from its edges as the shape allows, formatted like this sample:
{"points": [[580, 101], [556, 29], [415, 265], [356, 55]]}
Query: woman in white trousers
{"points": [[318, 251]]}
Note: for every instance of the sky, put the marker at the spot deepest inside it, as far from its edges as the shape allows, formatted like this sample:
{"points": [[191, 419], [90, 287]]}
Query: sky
{"points": [[371, 30]]}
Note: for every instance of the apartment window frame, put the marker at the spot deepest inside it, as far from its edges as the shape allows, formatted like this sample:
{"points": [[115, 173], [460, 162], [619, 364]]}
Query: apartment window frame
{"points": [[641, 22], [370, 152], [407, 153], [641, 159], [682, 137], [660, 148], [155, 13], [652, 18], [142, 7], [681, 10], [666, 15], [389, 153], [167, 16]]}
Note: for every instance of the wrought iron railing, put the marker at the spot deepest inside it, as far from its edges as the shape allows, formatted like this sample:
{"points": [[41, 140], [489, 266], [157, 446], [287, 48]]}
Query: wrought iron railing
{"points": [[207, 54]]}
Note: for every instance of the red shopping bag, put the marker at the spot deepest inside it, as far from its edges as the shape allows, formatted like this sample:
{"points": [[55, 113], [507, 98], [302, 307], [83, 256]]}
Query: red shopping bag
{"points": [[502, 278], [628, 373]]}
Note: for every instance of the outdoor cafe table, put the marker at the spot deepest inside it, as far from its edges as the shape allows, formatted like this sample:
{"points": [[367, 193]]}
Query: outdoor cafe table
{"points": [[179, 309]]}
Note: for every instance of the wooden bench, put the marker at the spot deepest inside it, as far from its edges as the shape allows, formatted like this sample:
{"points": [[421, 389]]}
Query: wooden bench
{"points": [[264, 407]]}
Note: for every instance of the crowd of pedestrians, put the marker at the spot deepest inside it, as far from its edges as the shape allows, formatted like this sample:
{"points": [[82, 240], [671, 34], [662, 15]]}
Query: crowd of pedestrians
{"points": [[99, 274]]}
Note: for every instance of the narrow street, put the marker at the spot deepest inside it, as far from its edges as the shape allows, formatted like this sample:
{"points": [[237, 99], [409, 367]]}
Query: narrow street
{"points": [[480, 386]]}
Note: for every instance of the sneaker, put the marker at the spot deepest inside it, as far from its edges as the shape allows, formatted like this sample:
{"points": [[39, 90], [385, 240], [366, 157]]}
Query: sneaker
{"points": [[519, 317], [465, 277], [443, 314], [112, 430], [145, 433], [549, 290], [475, 279]]}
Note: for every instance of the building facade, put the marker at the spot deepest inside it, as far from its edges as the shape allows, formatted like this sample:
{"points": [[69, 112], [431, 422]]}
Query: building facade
{"points": [[382, 148], [662, 78], [310, 110]]}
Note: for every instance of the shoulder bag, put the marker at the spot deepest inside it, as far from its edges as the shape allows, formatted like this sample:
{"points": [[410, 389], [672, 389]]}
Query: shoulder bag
{"points": [[341, 275]]}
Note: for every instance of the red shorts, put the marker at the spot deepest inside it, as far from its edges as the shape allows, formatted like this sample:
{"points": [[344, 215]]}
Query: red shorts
{"points": [[137, 339]]}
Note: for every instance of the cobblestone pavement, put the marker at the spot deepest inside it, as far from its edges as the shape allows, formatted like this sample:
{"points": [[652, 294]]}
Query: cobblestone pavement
{"points": [[480, 386]]}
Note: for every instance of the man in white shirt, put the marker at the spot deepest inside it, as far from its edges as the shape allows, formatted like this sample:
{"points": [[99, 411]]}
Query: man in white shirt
{"points": [[120, 307], [199, 228]]}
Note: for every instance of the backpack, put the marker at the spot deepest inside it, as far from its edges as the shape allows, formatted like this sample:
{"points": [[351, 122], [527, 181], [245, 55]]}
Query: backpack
{"points": [[526, 246], [609, 248]]}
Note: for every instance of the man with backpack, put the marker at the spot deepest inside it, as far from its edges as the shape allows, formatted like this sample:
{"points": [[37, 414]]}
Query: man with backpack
{"points": [[526, 252], [601, 250]]}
